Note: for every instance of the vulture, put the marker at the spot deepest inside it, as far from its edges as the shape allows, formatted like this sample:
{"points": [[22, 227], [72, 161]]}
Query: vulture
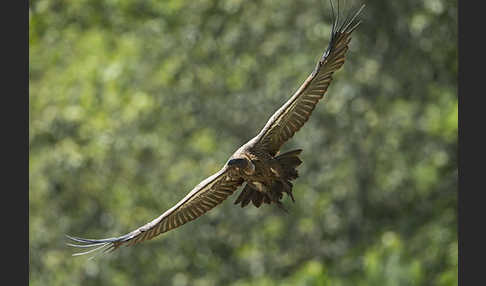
{"points": [[266, 173]]}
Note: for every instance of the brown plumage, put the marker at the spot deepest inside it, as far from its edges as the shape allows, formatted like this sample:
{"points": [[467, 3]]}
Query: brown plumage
{"points": [[257, 163]]}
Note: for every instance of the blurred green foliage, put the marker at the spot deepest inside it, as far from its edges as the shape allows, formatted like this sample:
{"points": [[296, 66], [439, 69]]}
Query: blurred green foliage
{"points": [[133, 102]]}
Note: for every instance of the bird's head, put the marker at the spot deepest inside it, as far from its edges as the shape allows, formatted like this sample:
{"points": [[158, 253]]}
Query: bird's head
{"points": [[242, 164]]}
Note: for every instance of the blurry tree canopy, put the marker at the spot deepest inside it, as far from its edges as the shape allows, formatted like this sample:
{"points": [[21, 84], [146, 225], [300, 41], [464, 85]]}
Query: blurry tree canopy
{"points": [[132, 103]]}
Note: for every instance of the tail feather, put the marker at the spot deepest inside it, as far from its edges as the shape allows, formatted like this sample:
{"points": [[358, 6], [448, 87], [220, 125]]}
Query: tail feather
{"points": [[288, 161], [245, 196], [250, 194], [257, 199]]}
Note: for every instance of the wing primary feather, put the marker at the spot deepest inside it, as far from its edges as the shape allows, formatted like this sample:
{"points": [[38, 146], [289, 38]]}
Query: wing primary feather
{"points": [[338, 12], [333, 17], [85, 245], [92, 250], [347, 23]]}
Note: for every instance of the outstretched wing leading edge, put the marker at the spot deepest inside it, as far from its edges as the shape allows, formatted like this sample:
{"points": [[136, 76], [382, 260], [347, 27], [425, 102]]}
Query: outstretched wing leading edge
{"points": [[296, 111], [205, 196]]}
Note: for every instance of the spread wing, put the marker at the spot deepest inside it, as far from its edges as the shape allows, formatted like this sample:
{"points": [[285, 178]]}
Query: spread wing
{"points": [[205, 196], [297, 110]]}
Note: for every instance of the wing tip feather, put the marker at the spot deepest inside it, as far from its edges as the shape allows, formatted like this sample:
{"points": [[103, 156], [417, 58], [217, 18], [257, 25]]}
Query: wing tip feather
{"points": [[105, 245]]}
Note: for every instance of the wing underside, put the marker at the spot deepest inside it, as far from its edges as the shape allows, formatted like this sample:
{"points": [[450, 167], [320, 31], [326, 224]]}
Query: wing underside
{"points": [[205, 196], [286, 121]]}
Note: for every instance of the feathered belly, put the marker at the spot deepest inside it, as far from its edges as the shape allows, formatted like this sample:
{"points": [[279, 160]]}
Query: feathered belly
{"points": [[270, 180]]}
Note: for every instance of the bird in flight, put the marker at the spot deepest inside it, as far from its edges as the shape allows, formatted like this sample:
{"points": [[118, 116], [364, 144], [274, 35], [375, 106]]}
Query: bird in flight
{"points": [[266, 173]]}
